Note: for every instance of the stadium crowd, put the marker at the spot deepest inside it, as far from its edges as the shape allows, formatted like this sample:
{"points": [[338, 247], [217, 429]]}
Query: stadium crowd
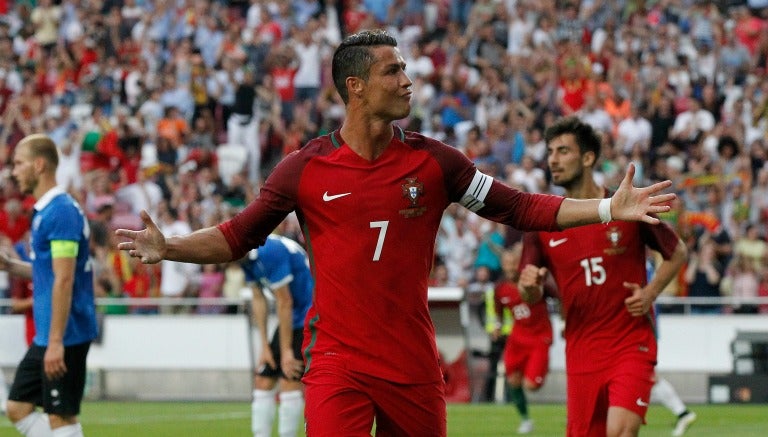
{"points": [[183, 107]]}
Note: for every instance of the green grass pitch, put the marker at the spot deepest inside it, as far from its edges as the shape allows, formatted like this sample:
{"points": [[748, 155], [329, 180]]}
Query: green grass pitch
{"points": [[203, 419]]}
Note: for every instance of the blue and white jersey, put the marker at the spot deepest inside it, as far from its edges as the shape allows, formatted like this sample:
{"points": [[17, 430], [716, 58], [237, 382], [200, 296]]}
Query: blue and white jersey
{"points": [[280, 261], [59, 218]]}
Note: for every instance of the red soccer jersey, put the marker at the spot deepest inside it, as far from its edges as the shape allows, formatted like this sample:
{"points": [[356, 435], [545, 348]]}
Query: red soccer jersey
{"points": [[590, 265], [532, 325], [370, 228]]}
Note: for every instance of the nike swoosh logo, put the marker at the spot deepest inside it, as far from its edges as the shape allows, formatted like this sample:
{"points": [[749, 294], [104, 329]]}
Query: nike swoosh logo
{"points": [[328, 198], [555, 243], [641, 403]]}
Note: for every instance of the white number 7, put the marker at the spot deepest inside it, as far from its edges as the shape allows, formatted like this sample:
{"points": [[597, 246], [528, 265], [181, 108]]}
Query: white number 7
{"points": [[382, 233]]}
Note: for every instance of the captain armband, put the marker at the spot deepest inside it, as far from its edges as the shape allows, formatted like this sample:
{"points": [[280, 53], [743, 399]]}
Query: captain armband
{"points": [[64, 249], [474, 198]]}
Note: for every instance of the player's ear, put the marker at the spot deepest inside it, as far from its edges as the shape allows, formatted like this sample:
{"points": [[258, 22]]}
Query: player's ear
{"points": [[588, 159], [40, 164], [355, 85]]}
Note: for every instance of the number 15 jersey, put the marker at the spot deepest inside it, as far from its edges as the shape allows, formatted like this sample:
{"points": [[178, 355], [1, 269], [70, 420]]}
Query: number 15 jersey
{"points": [[590, 265]]}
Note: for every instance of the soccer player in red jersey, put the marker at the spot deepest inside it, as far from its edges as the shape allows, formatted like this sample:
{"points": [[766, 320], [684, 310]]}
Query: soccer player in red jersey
{"points": [[526, 354], [607, 300], [369, 197]]}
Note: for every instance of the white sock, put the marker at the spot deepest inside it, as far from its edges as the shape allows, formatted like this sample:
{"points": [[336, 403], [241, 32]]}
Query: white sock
{"points": [[3, 394], [34, 425], [3, 391], [291, 410], [262, 412], [74, 430], [663, 392]]}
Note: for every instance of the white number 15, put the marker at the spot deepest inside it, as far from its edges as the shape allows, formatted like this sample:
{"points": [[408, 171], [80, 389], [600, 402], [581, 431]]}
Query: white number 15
{"points": [[594, 272]]}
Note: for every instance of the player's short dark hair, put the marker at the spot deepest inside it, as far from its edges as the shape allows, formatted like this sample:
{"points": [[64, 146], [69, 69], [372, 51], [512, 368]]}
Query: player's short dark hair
{"points": [[41, 145], [353, 57], [586, 136]]}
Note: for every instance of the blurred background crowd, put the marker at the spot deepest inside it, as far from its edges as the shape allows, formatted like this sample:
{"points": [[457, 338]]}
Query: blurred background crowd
{"points": [[183, 107]]}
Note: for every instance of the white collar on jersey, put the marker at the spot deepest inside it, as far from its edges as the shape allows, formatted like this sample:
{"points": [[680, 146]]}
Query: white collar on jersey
{"points": [[46, 198]]}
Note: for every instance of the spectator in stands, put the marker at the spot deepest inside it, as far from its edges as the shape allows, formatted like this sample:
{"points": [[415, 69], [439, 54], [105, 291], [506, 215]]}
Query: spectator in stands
{"points": [[145, 193], [528, 176], [703, 275], [46, 17], [211, 287], [310, 54], [14, 221], [743, 279], [691, 124], [752, 246], [762, 291], [173, 127], [634, 132], [594, 114], [243, 124], [177, 280]]}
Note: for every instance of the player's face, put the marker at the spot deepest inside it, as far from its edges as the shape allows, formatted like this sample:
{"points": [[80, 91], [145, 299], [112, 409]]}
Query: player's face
{"points": [[566, 163], [24, 171], [388, 88], [509, 262]]}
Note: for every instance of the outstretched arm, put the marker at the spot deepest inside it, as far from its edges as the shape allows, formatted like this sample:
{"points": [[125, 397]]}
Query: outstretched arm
{"points": [[205, 246], [628, 203]]}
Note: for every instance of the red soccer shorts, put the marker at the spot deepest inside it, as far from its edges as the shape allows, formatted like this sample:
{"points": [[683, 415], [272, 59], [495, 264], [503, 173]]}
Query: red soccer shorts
{"points": [[627, 385], [530, 360], [340, 402]]}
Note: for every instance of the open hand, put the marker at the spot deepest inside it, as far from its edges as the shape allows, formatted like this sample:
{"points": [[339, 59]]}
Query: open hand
{"points": [[148, 244], [639, 203]]}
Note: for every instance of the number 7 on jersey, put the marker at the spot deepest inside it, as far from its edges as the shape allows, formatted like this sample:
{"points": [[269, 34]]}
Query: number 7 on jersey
{"points": [[382, 234]]}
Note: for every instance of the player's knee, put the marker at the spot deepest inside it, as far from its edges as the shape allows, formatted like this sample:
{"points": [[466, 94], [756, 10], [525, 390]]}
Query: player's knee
{"points": [[264, 383], [18, 410], [58, 421], [533, 385], [623, 423], [515, 379], [287, 385]]}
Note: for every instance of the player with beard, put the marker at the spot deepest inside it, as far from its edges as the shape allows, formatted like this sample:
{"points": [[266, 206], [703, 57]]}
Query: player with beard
{"points": [[370, 197], [607, 301]]}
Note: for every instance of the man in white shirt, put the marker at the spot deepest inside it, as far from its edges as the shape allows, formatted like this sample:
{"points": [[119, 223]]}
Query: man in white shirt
{"points": [[309, 54], [594, 115], [177, 279], [145, 193], [634, 131], [693, 122]]}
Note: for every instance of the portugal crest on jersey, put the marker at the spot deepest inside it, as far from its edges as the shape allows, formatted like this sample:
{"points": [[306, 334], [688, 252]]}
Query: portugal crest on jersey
{"points": [[413, 190], [614, 238]]}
